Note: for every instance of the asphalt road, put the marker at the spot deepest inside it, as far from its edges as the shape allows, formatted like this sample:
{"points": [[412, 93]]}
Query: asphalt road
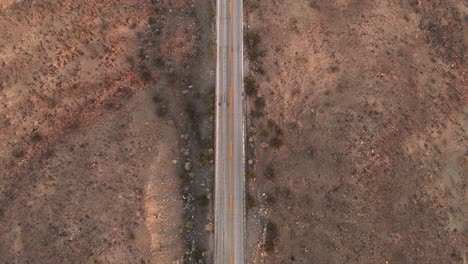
{"points": [[230, 127]]}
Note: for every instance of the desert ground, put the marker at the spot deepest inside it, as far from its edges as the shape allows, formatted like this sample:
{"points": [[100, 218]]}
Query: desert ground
{"points": [[96, 131], [358, 131]]}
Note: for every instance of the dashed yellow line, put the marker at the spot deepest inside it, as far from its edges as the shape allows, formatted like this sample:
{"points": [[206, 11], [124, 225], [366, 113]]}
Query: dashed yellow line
{"points": [[230, 132]]}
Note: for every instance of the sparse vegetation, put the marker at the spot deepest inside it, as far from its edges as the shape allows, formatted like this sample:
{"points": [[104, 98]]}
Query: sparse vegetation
{"points": [[189, 224], [264, 133], [313, 4], [250, 200], [271, 236], [73, 125], [109, 54], [157, 62], [205, 159], [203, 200], [152, 20], [324, 126], [130, 234], [18, 152], [270, 199], [250, 86], [209, 227], [184, 176], [260, 103], [276, 142], [252, 39], [162, 110], [269, 172], [157, 98], [256, 114], [36, 136], [145, 74], [7, 123], [49, 153], [251, 175]]}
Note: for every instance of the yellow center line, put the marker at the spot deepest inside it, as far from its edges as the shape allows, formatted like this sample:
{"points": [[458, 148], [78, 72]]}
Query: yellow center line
{"points": [[230, 131]]}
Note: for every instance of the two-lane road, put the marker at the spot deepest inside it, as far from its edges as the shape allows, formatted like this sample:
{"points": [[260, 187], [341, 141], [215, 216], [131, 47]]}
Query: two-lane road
{"points": [[230, 159]]}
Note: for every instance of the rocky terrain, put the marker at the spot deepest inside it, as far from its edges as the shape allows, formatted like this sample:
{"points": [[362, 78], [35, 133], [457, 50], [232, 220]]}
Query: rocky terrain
{"points": [[358, 131]]}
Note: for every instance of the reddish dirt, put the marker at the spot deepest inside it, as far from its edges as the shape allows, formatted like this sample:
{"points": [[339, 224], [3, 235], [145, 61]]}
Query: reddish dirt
{"points": [[366, 124], [85, 149]]}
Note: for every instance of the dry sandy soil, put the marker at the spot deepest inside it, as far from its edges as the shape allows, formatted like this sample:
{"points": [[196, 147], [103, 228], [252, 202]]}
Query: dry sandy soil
{"points": [[90, 130], [361, 151]]}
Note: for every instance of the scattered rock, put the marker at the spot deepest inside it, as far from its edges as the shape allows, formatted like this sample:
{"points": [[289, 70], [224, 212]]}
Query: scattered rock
{"points": [[186, 152], [188, 166], [251, 139], [264, 145], [251, 162], [174, 161]]}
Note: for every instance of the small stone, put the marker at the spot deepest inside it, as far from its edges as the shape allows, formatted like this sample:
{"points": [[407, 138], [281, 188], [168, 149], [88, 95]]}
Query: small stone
{"points": [[188, 166], [251, 139], [264, 145], [251, 162], [174, 161]]}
